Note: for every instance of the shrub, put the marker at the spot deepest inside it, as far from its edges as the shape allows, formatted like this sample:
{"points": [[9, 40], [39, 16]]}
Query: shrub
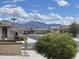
{"points": [[22, 38], [73, 29], [56, 46]]}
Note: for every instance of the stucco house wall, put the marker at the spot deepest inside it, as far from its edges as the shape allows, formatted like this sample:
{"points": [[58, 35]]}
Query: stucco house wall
{"points": [[10, 49]]}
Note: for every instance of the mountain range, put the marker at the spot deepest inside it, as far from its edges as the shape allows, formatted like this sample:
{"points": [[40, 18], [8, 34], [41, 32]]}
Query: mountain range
{"points": [[33, 24]]}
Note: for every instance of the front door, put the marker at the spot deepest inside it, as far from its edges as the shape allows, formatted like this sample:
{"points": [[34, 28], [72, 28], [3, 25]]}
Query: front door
{"points": [[4, 32]]}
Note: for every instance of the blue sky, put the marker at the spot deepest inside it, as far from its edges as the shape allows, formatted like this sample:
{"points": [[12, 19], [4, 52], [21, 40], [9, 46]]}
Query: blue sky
{"points": [[45, 10]]}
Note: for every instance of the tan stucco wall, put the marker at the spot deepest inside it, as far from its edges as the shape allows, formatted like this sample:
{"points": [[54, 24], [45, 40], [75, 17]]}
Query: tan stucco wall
{"points": [[0, 33], [10, 49]]}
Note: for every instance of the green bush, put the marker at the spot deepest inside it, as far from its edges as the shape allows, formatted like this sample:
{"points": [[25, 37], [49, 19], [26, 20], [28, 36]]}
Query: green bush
{"points": [[21, 38], [56, 46]]}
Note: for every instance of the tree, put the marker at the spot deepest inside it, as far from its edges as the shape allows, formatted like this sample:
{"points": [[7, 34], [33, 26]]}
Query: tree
{"points": [[56, 46], [73, 29]]}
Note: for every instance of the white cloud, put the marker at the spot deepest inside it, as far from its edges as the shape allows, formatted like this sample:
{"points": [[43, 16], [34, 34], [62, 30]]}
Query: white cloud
{"points": [[62, 2], [77, 6], [68, 20], [8, 11], [51, 8], [12, 1], [35, 11]]}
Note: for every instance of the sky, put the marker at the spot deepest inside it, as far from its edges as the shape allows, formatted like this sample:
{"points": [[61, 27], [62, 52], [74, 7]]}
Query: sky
{"points": [[47, 11]]}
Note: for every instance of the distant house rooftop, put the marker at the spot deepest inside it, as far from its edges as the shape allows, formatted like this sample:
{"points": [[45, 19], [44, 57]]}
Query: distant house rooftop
{"points": [[40, 29]]}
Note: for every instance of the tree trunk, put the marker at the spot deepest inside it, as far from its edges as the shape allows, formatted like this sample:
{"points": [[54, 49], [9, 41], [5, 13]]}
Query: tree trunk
{"points": [[48, 57]]}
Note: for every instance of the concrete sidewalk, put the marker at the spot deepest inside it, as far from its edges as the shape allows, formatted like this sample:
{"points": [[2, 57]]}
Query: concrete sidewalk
{"points": [[31, 55]]}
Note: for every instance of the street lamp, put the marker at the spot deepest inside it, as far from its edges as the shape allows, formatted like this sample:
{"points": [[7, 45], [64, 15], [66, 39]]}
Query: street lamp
{"points": [[13, 26], [13, 22]]}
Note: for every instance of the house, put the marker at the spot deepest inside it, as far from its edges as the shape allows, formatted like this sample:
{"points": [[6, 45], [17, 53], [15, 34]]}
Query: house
{"points": [[8, 46], [40, 30], [4, 30], [31, 31]]}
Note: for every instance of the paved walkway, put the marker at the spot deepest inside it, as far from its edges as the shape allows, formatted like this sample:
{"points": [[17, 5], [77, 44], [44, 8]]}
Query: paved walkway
{"points": [[31, 55], [77, 56]]}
